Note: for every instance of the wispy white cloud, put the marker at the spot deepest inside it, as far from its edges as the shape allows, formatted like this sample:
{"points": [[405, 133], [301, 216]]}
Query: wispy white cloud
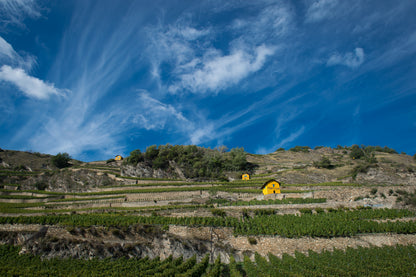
{"points": [[155, 115], [202, 134], [350, 59], [91, 64], [30, 86], [9, 56], [68, 135], [293, 136], [175, 44], [215, 73], [6, 50], [320, 9], [186, 59], [271, 22], [13, 12]]}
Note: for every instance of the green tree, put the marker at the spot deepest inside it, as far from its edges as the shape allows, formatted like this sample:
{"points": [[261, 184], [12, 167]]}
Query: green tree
{"points": [[324, 162], [356, 152], [135, 157], [61, 160], [298, 148], [238, 158], [151, 153]]}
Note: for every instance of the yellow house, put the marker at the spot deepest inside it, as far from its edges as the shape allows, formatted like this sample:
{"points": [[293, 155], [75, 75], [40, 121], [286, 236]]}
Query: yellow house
{"points": [[118, 158], [245, 177], [270, 187]]}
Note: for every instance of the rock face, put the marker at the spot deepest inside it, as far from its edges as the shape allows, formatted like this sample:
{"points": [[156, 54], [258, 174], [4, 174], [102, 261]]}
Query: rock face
{"points": [[149, 241], [98, 242], [383, 176], [143, 170], [67, 180]]}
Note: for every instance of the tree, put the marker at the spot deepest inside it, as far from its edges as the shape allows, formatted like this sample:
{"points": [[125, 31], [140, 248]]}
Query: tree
{"points": [[61, 160], [151, 153], [356, 152], [324, 162], [238, 159], [135, 157], [298, 148]]}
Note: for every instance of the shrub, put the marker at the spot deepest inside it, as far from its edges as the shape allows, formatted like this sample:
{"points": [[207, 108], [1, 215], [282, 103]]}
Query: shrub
{"points": [[356, 152], [41, 185], [264, 212], [117, 233], [324, 162], [151, 153], [304, 149], [135, 157], [373, 191], [407, 198], [305, 211], [361, 168], [252, 240], [245, 213], [218, 212], [61, 160], [20, 168]]}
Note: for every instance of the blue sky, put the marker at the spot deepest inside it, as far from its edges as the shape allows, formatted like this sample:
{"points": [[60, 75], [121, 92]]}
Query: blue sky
{"points": [[100, 78]]}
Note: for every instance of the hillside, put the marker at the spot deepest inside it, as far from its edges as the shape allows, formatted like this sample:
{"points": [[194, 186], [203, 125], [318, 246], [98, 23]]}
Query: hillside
{"points": [[163, 206], [299, 167], [35, 170]]}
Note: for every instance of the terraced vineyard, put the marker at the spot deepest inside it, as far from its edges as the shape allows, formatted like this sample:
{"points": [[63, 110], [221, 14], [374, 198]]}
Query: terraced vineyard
{"points": [[374, 261], [124, 225]]}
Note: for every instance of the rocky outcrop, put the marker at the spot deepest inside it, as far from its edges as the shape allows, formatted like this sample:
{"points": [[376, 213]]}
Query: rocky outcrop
{"points": [[382, 176], [65, 180], [143, 170], [99, 242]]}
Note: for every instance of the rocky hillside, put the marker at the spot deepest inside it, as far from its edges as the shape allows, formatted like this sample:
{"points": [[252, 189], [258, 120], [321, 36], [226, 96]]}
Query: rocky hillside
{"points": [[156, 205], [299, 165], [333, 165]]}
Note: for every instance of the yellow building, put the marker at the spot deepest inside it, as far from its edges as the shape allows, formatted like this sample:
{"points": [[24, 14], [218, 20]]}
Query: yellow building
{"points": [[245, 177], [118, 158], [270, 187]]}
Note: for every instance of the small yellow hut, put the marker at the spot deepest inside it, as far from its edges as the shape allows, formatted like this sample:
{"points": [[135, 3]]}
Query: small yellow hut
{"points": [[270, 187], [245, 176], [118, 158]]}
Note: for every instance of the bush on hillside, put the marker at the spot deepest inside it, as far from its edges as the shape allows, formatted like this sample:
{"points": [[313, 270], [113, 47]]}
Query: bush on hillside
{"points": [[195, 162], [300, 149], [361, 168], [135, 157], [356, 152], [324, 162], [61, 160]]}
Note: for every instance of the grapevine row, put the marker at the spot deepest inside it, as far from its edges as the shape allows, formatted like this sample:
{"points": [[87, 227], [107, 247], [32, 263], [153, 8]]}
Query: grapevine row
{"points": [[334, 223], [375, 261]]}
